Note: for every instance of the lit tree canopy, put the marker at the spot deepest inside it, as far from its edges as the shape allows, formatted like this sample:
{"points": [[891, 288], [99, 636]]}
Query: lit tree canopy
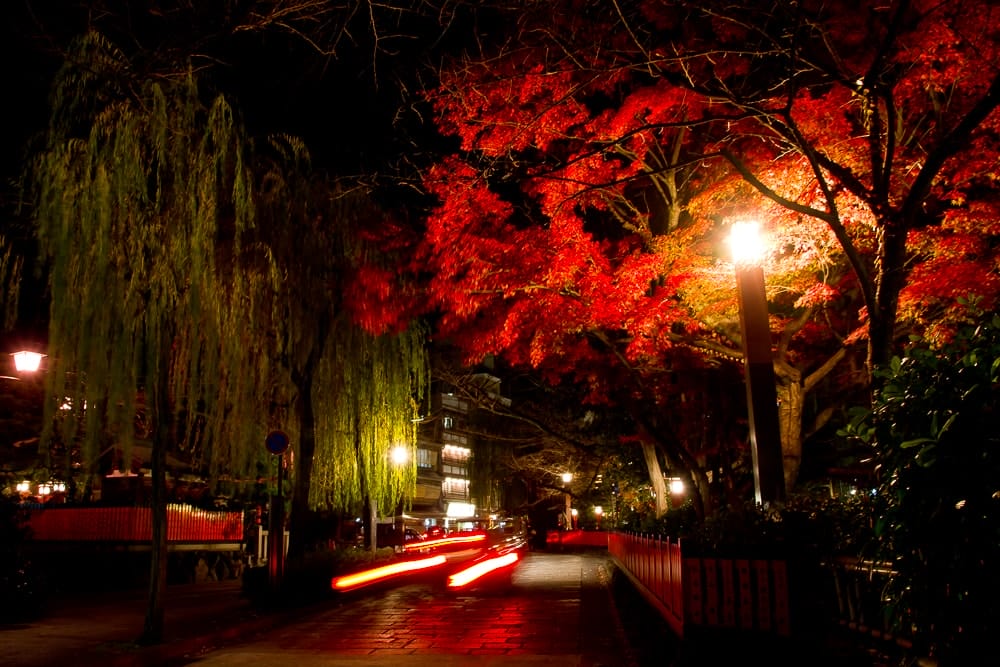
{"points": [[605, 147]]}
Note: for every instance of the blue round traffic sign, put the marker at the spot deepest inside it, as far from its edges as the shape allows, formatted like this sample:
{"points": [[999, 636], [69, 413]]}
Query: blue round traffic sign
{"points": [[276, 442]]}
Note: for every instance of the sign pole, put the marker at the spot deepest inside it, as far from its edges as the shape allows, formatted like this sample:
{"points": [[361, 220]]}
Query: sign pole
{"points": [[276, 443]]}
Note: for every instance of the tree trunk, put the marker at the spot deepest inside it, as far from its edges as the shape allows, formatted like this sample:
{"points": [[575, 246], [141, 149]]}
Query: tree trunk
{"points": [[371, 525], [792, 392], [701, 493], [656, 478], [791, 399], [304, 379], [302, 475], [152, 632]]}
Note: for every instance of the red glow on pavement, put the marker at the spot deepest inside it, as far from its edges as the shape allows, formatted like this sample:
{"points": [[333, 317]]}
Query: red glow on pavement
{"points": [[480, 569], [365, 577], [445, 541]]}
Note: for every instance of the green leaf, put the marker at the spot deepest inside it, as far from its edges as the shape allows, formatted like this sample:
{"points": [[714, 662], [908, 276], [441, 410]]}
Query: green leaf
{"points": [[909, 444]]}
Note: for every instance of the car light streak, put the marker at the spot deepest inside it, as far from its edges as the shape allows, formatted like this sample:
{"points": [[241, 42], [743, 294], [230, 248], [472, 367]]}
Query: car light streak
{"points": [[365, 577], [480, 569], [445, 541]]}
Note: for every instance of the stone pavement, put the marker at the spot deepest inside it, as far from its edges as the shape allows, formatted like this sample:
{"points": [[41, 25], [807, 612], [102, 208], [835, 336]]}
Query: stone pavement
{"points": [[562, 610], [101, 629], [557, 612]]}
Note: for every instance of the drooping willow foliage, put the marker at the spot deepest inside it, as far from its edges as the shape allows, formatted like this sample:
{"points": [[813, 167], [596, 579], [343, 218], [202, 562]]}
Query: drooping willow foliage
{"points": [[356, 395], [11, 266], [143, 197], [185, 261], [370, 388]]}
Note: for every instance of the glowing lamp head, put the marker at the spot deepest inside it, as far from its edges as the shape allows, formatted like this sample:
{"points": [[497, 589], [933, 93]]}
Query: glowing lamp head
{"points": [[400, 455], [27, 362], [567, 477], [746, 243]]}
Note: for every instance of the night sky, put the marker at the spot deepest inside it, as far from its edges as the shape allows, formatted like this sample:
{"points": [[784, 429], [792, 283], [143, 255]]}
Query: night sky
{"points": [[349, 107]]}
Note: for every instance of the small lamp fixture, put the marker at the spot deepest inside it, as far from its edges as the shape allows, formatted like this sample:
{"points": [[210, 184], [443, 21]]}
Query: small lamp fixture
{"points": [[27, 362], [746, 242]]}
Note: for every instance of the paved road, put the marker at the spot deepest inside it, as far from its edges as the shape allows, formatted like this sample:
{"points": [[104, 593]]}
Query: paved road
{"points": [[557, 612]]}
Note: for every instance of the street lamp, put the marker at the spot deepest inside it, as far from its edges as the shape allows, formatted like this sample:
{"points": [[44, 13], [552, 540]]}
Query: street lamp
{"points": [[762, 396], [400, 455], [26, 361]]}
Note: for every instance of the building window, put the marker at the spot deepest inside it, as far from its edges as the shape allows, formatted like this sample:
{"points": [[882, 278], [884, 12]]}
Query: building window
{"points": [[426, 459], [454, 453], [455, 439], [447, 422], [453, 487], [448, 469]]}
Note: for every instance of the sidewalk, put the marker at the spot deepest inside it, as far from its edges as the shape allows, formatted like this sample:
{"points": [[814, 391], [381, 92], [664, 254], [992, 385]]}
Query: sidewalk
{"points": [[102, 628]]}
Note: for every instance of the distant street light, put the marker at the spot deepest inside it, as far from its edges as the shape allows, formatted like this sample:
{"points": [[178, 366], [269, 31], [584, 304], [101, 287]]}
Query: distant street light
{"points": [[598, 513], [762, 396], [26, 361]]}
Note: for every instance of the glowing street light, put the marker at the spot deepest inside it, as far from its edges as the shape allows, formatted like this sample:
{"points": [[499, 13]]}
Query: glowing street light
{"points": [[762, 397], [400, 455], [26, 361]]}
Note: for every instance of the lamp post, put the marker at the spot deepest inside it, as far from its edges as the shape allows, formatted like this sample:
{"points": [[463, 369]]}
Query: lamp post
{"points": [[567, 477], [762, 396]]}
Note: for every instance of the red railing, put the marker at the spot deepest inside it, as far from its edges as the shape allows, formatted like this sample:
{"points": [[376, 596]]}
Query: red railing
{"points": [[578, 538], [133, 524], [749, 594], [654, 564]]}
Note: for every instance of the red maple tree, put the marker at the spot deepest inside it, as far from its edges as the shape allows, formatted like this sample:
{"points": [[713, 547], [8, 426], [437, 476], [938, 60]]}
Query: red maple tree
{"points": [[605, 148]]}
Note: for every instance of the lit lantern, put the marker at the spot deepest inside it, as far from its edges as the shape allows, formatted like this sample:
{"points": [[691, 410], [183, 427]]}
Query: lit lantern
{"points": [[27, 362]]}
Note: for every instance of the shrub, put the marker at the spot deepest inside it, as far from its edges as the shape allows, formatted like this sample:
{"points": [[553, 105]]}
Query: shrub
{"points": [[934, 430]]}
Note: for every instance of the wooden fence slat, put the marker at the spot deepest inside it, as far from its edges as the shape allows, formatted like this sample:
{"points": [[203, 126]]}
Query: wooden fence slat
{"points": [[694, 596], [745, 590], [763, 594], [782, 616], [728, 594], [711, 591]]}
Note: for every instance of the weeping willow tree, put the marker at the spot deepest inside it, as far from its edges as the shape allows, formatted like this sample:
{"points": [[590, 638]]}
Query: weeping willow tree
{"points": [[143, 197], [371, 400], [354, 395]]}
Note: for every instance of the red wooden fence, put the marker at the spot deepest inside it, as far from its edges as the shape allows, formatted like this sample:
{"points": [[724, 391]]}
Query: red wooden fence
{"points": [[747, 594], [133, 524]]}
